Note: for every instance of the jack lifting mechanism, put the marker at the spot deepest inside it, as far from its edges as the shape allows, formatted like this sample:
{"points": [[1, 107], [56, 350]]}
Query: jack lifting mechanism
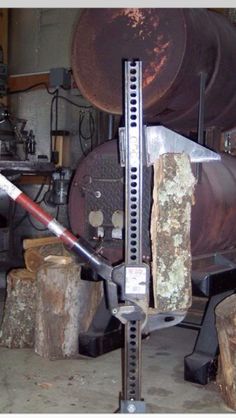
{"points": [[127, 285]]}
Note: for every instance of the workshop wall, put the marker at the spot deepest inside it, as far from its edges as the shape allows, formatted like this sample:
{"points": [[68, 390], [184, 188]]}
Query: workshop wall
{"points": [[40, 39]]}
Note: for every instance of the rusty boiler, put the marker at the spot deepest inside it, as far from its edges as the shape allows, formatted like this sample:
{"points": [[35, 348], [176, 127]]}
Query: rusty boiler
{"points": [[97, 186], [176, 46]]}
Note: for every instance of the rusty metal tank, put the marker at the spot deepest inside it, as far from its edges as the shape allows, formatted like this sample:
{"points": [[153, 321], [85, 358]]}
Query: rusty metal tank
{"points": [[213, 226], [175, 46], [97, 185]]}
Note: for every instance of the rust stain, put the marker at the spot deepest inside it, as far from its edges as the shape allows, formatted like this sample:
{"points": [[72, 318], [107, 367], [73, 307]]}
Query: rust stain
{"points": [[136, 16], [152, 71], [155, 67], [145, 28], [112, 35]]}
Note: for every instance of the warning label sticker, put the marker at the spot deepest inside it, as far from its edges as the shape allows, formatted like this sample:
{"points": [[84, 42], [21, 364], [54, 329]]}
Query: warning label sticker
{"points": [[135, 280]]}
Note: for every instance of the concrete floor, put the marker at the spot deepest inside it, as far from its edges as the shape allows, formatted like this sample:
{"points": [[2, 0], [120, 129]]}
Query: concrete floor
{"points": [[30, 384]]}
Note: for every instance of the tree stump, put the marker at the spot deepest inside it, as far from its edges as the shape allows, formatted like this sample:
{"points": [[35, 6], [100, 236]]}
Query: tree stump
{"points": [[226, 329], [17, 330], [65, 306], [170, 232]]}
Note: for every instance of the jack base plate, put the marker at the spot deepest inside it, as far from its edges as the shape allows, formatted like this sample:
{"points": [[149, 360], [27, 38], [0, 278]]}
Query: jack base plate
{"points": [[132, 407]]}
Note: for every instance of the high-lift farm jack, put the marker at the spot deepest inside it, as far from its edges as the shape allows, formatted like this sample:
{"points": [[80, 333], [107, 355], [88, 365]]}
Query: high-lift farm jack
{"points": [[127, 285]]}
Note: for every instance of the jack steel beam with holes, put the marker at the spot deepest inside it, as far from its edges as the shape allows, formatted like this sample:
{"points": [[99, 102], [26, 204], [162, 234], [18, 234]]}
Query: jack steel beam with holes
{"points": [[136, 272]]}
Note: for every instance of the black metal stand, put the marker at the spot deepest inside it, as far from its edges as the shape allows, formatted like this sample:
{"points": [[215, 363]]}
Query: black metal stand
{"points": [[104, 334], [201, 365], [216, 281]]}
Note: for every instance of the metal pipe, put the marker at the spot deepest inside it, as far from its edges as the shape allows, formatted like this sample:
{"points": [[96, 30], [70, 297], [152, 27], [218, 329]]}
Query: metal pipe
{"points": [[213, 226], [200, 138], [201, 109], [175, 46], [110, 126]]}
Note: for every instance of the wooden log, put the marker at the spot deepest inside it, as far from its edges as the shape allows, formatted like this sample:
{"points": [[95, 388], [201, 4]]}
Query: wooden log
{"points": [[226, 328], [38, 242], [35, 256], [17, 329], [58, 259], [65, 306], [170, 232]]}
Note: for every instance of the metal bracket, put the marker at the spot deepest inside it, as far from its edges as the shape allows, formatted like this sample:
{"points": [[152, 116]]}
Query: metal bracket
{"points": [[161, 140], [127, 313], [163, 320]]}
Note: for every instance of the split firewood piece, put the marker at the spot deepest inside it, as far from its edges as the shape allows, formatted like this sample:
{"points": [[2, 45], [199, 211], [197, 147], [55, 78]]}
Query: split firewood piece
{"points": [[38, 242], [58, 259], [170, 232], [35, 256]]}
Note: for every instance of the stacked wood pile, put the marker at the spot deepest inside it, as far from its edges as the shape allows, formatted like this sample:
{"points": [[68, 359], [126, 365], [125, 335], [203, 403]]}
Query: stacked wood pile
{"points": [[47, 303], [226, 328]]}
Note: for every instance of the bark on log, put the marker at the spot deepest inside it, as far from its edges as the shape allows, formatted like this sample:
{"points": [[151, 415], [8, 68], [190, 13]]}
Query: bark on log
{"points": [[65, 306], [17, 329], [170, 232], [226, 329], [35, 256]]}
